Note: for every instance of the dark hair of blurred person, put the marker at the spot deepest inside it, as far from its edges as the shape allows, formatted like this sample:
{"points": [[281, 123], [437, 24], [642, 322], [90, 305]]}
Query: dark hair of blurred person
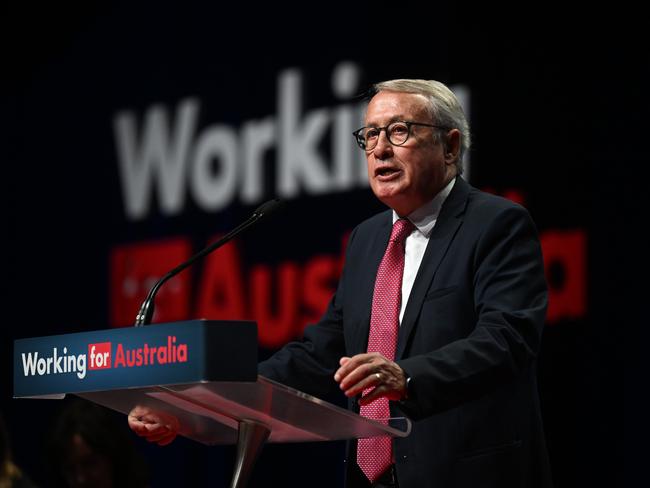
{"points": [[88, 447], [10, 475]]}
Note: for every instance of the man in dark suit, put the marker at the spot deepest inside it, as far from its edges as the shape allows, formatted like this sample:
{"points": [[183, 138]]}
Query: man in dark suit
{"points": [[437, 316], [472, 307]]}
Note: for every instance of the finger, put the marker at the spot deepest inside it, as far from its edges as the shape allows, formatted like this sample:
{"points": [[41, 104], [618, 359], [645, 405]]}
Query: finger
{"points": [[159, 435], [373, 395], [140, 431], [350, 365], [133, 421], [153, 418], [153, 429], [343, 370], [139, 411], [371, 380], [138, 427], [358, 375]]}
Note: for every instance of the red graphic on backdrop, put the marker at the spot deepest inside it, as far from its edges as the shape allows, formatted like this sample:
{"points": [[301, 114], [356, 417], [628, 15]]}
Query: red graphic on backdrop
{"points": [[134, 270], [565, 263], [282, 299], [285, 297]]}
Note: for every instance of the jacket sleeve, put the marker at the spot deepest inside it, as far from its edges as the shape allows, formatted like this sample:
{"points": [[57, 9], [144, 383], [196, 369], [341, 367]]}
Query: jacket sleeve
{"points": [[309, 365], [510, 299]]}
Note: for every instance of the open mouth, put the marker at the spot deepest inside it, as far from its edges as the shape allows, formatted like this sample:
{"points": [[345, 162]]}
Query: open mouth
{"points": [[386, 172]]}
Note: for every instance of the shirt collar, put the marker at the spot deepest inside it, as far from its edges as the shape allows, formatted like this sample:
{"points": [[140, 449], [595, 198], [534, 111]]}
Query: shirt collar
{"points": [[424, 218]]}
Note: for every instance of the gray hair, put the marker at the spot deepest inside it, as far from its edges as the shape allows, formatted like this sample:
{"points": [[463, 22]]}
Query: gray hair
{"points": [[444, 107]]}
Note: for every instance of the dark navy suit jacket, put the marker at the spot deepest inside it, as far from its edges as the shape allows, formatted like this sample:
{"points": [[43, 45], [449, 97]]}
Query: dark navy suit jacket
{"points": [[468, 340]]}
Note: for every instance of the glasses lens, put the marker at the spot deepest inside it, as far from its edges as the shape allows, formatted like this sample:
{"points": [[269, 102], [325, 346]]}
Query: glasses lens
{"points": [[398, 132], [370, 137], [360, 138]]}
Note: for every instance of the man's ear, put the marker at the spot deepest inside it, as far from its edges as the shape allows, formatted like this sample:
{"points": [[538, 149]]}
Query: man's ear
{"points": [[452, 146]]}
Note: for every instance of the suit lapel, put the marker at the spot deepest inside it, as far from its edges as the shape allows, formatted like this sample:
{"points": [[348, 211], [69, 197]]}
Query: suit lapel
{"points": [[443, 233], [375, 252]]}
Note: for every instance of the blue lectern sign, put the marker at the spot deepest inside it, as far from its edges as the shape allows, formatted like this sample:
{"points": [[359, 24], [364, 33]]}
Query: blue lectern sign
{"points": [[160, 354]]}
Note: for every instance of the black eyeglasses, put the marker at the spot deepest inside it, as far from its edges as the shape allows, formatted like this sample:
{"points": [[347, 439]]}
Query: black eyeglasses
{"points": [[397, 134]]}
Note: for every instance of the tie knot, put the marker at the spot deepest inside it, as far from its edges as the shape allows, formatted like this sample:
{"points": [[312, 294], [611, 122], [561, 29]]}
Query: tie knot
{"points": [[401, 229]]}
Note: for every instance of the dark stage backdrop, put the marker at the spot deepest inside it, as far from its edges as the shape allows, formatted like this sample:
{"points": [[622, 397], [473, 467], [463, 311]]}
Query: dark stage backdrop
{"points": [[138, 134]]}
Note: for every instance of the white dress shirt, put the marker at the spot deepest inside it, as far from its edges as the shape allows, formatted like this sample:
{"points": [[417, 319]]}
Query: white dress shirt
{"points": [[424, 219]]}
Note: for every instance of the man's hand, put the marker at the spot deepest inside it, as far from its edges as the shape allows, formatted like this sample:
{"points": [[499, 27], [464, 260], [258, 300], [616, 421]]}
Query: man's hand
{"points": [[371, 370], [154, 426]]}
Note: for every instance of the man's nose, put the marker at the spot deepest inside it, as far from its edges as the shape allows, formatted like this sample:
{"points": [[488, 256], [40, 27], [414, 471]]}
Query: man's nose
{"points": [[383, 148]]}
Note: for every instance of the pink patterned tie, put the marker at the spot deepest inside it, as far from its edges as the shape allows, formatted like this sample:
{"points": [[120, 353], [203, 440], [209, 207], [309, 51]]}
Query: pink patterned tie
{"points": [[374, 455]]}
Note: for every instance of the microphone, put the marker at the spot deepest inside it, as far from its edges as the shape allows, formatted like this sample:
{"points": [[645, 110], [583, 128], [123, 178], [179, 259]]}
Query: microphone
{"points": [[146, 310]]}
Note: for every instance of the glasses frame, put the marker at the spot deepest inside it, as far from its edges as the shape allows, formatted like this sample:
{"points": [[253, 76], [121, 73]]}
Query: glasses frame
{"points": [[362, 144]]}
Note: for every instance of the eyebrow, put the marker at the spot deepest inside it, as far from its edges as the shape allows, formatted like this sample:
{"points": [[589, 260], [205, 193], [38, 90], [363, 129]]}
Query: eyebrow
{"points": [[394, 118]]}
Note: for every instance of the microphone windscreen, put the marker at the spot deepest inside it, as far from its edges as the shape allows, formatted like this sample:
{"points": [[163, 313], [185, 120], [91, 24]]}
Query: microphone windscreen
{"points": [[269, 207]]}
